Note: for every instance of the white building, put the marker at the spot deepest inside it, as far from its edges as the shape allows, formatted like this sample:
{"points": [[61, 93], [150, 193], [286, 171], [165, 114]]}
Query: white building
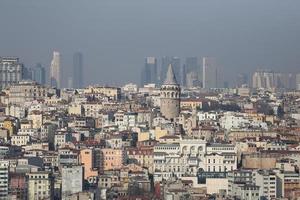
{"points": [[269, 186], [130, 88], [72, 180], [220, 158], [40, 185], [11, 71], [33, 132], [4, 181], [61, 139], [180, 158], [15, 111], [207, 116], [20, 140], [233, 121]]}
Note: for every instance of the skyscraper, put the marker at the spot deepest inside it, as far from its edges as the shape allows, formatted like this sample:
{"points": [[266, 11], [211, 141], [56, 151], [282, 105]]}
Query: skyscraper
{"points": [[149, 73], [77, 78], [39, 74], [210, 76], [183, 75], [175, 62], [298, 81], [241, 80], [27, 73], [55, 70], [192, 71], [11, 71], [268, 79], [165, 62], [191, 64]]}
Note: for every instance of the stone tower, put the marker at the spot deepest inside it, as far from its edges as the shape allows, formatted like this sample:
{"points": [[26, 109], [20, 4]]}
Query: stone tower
{"points": [[170, 96]]}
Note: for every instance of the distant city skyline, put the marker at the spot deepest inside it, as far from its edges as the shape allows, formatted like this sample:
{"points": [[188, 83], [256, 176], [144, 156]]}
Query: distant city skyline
{"points": [[116, 36]]}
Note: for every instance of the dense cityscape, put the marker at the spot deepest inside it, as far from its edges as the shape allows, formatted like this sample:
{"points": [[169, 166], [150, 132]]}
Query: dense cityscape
{"points": [[182, 133]]}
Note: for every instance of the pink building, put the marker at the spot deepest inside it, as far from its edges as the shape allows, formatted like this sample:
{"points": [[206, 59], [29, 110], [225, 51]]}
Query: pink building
{"points": [[87, 160], [17, 186], [112, 158]]}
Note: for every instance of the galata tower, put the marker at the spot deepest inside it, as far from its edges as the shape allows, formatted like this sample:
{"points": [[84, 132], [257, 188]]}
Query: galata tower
{"points": [[170, 96]]}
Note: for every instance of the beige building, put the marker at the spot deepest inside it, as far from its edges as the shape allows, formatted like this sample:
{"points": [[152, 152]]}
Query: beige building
{"points": [[143, 136], [76, 109], [27, 91], [236, 135], [37, 119], [40, 185], [142, 156], [112, 158], [100, 91]]}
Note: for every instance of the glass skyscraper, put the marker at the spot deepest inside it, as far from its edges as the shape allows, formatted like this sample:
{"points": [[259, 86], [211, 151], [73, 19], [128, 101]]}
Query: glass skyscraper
{"points": [[77, 78]]}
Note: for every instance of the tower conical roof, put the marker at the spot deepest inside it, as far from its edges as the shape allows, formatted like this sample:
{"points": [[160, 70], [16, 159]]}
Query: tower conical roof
{"points": [[170, 79]]}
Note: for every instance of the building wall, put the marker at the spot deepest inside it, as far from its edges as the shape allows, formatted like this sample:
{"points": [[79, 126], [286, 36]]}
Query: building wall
{"points": [[11, 72], [72, 180], [257, 162], [216, 185], [40, 185], [112, 158], [86, 158], [4, 178], [170, 108]]}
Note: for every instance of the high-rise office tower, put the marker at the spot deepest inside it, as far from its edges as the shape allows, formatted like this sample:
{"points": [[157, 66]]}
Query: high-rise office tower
{"points": [[210, 73], [77, 78], [55, 70], [165, 62], [175, 62], [241, 80], [39, 74], [170, 96], [192, 80], [27, 73], [149, 73], [71, 83], [11, 71], [298, 81], [257, 79], [192, 67], [183, 75], [290, 81], [268, 79]]}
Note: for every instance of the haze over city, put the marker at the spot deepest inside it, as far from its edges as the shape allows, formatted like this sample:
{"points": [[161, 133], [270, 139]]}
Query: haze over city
{"points": [[115, 36], [150, 99]]}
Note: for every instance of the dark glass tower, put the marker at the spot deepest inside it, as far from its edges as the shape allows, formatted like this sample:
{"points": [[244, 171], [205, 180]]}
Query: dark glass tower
{"points": [[149, 73], [39, 74], [77, 70]]}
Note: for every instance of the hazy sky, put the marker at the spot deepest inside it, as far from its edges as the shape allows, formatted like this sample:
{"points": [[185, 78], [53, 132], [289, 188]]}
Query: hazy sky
{"points": [[115, 35]]}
